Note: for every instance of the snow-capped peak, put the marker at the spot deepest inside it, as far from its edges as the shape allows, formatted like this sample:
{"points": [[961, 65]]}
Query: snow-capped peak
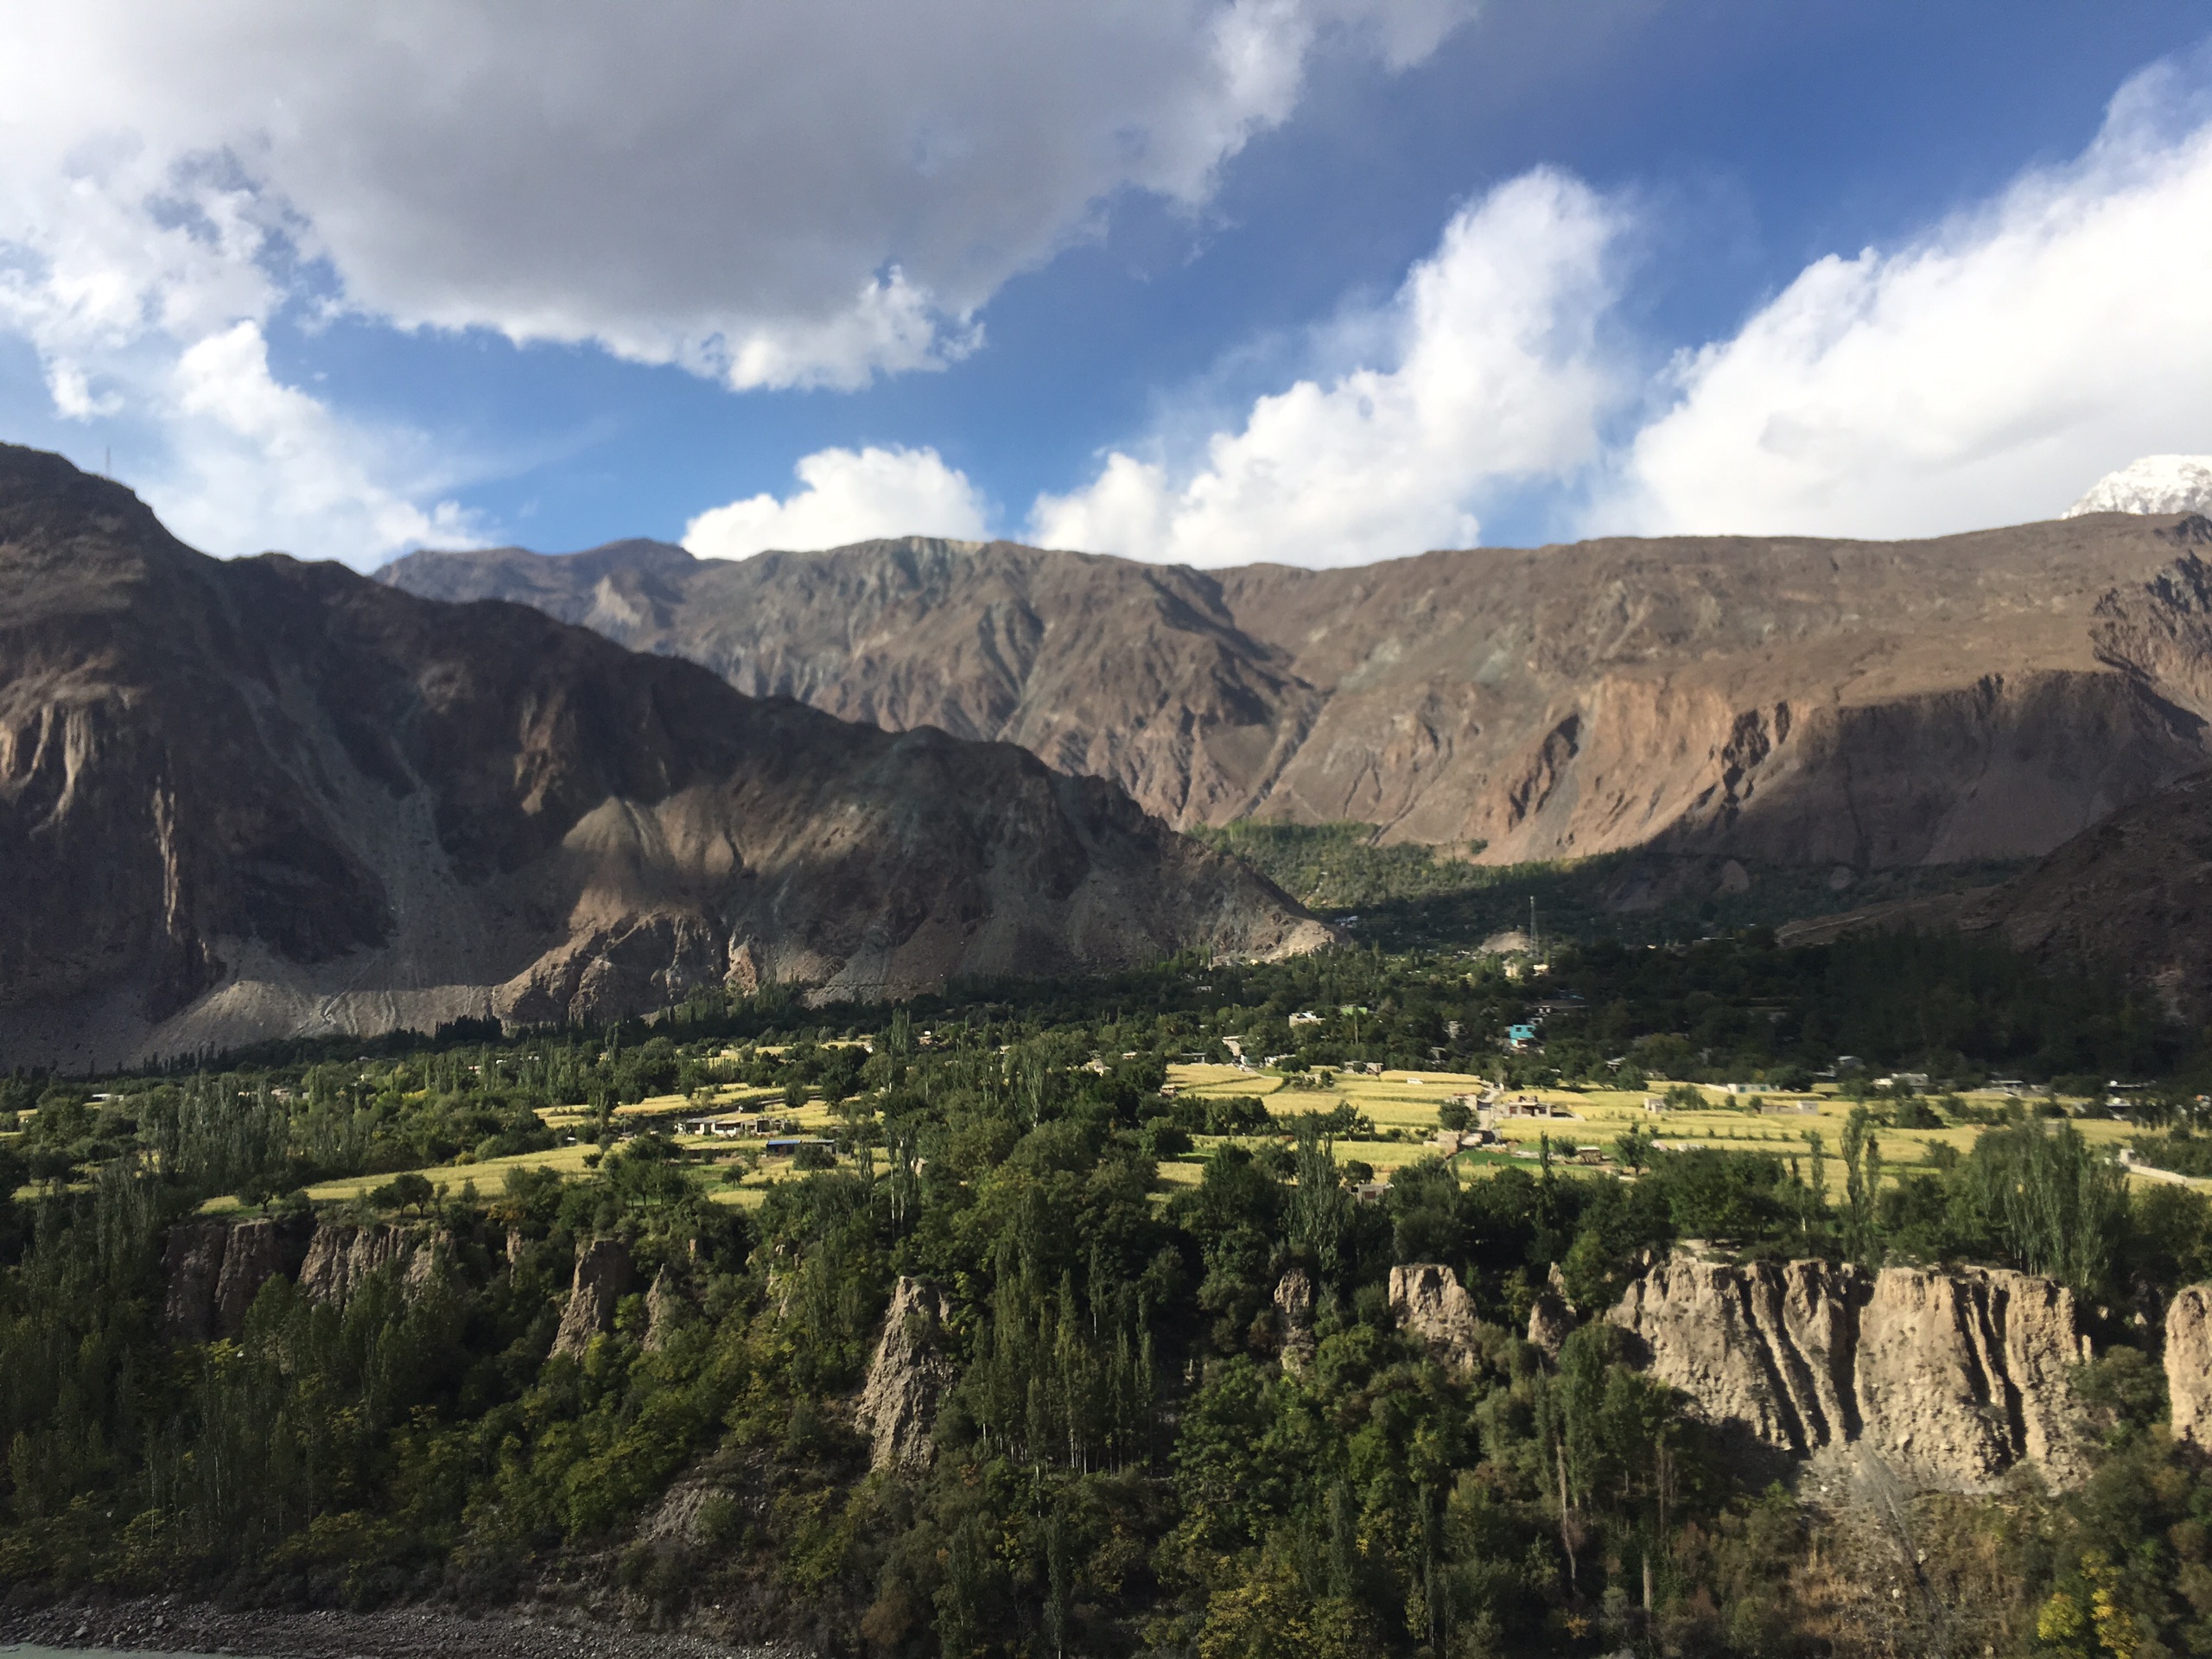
{"points": [[2154, 484]]}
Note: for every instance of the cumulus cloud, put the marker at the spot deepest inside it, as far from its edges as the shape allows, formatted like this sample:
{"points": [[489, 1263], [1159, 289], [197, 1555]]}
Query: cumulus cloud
{"points": [[850, 496], [1981, 375], [1496, 376], [770, 196], [778, 195], [263, 465]]}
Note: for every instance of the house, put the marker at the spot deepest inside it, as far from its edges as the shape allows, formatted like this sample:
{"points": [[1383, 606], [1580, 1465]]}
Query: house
{"points": [[1306, 1018], [1370, 1191], [1773, 1106], [788, 1145], [1520, 1036]]}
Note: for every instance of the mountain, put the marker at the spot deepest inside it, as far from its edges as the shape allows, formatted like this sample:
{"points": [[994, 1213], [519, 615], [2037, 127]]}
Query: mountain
{"points": [[1798, 701], [240, 799], [2131, 896], [2154, 484]]}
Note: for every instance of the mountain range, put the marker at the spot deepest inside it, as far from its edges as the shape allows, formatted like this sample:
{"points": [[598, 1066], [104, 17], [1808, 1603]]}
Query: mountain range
{"points": [[246, 798], [1860, 704]]}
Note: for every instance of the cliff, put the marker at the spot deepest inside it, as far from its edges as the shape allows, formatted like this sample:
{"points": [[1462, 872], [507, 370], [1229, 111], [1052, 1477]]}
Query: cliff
{"points": [[247, 799], [213, 1270], [1870, 704], [2129, 896], [1951, 1376]]}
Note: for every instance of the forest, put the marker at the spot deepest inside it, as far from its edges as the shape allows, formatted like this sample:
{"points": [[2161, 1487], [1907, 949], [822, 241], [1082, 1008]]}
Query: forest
{"points": [[1137, 1449]]}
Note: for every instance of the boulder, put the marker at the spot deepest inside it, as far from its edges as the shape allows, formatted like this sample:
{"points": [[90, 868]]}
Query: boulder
{"points": [[602, 1279], [907, 1376], [2188, 1363]]}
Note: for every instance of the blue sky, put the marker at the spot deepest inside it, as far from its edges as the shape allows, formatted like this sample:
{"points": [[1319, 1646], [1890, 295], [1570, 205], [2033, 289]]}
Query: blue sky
{"points": [[1315, 282]]}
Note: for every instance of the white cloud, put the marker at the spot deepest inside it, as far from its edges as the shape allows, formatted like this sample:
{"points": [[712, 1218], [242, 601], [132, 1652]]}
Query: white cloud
{"points": [[849, 497], [778, 195], [1497, 377], [768, 195], [1982, 375], [263, 465]]}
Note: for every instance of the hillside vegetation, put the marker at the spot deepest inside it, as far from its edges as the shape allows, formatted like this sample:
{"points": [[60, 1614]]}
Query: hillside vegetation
{"points": [[1136, 1448]]}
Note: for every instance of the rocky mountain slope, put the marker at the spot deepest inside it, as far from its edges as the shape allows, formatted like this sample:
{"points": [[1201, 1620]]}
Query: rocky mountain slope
{"points": [[2132, 895], [239, 799], [1867, 704]]}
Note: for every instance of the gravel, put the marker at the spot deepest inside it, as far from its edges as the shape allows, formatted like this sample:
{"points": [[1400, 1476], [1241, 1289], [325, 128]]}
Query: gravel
{"points": [[168, 1626]]}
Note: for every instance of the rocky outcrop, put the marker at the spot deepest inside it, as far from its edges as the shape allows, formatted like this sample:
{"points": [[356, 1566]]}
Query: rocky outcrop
{"points": [[1433, 1307], [1551, 1318], [248, 798], [907, 1376], [2188, 1364], [1765, 1350], [1293, 1300], [603, 1278], [668, 1304], [212, 1271], [1952, 1377]]}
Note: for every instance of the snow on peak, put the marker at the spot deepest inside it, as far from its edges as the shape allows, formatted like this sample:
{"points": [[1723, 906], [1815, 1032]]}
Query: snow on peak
{"points": [[2154, 484]]}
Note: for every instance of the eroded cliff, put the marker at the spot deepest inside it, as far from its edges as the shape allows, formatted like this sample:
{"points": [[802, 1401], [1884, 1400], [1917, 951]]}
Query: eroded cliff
{"points": [[1952, 1375]]}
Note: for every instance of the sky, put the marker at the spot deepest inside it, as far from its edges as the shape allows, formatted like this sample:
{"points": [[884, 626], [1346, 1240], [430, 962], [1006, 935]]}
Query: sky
{"points": [[1207, 281]]}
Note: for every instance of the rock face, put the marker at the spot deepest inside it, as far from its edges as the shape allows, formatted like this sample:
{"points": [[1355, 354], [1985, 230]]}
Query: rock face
{"points": [[1432, 1304], [603, 1278], [1293, 1300], [213, 1270], [1952, 1376], [1859, 704], [250, 798], [1551, 1320], [1963, 1374], [907, 1376], [2188, 1363], [667, 1303], [341, 1255]]}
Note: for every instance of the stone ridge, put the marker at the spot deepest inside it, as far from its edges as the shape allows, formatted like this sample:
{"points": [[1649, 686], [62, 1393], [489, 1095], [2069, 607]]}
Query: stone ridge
{"points": [[1952, 1377]]}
